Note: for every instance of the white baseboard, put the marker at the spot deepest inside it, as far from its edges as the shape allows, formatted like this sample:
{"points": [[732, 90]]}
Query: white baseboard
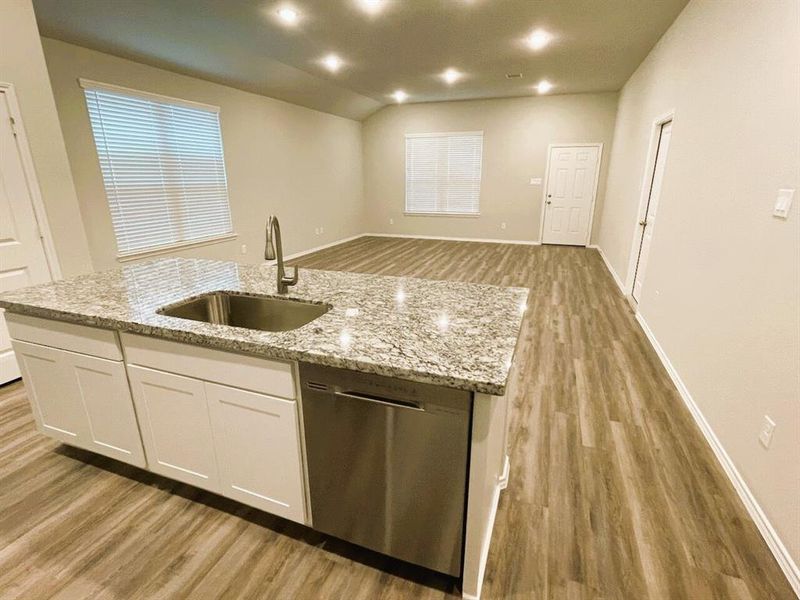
{"points": [[776, 546], [487, 542], [611, 270], [453, 239], [323, 246], [503, 481], [404, 235]]}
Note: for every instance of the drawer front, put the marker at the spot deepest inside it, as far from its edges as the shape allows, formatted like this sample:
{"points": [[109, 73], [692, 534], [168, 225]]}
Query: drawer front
{"points": [[93, 341], [267, 376]]}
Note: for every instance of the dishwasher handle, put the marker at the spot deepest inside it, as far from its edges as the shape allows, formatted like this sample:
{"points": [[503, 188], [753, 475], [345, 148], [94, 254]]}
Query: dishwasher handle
{"points": [[408, 404]]}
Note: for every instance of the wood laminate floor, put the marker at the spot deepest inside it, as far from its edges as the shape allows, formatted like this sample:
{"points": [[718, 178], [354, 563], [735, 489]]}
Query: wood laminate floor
{"points": [[613, 492]]}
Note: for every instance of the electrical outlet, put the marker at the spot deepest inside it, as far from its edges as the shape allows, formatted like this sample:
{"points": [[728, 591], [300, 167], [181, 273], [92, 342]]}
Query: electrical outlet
{"points": [[503, 225], [391, 221], [767, 429], [244, 249], [316, 230], [322, 230]]}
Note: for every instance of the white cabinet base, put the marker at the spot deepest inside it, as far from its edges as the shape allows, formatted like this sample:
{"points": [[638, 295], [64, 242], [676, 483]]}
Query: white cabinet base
{"points": [[81, 400], [240, 444]]}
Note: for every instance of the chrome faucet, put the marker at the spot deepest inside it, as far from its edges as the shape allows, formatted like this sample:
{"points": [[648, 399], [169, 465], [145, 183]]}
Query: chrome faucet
{"points": [[273, 250]]}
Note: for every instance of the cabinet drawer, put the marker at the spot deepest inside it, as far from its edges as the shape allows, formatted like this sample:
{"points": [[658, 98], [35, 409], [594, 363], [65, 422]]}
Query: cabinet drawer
{"points": [[93, 341], [273, 377]]}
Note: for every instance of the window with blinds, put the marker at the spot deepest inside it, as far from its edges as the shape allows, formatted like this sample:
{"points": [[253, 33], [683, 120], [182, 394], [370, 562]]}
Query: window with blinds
{"points": [[443, 173], [163, 168]]}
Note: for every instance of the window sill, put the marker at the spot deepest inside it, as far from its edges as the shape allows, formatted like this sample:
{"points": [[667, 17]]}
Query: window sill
{"points": [[128, 256], [441, 214]]}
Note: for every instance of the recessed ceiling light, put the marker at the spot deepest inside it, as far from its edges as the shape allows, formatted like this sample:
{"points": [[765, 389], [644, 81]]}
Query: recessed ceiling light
{"points": [[544, 86], [371, 6], [451, 76], [400, 96], [288, 15], [332, 62], [538, 39]]}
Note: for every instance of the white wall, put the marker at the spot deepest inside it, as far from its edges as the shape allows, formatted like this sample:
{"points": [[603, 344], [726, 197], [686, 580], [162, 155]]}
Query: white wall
{"points": [[22, 64], [722, 290], [517, 132], [302, 165]]}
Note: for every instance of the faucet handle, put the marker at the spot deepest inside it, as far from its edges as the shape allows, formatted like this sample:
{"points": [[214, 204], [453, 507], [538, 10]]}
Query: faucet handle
{"points": [[291, 280]]}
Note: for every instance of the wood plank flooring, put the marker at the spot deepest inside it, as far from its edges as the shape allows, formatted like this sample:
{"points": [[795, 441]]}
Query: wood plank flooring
{"points": [[613, 492]]}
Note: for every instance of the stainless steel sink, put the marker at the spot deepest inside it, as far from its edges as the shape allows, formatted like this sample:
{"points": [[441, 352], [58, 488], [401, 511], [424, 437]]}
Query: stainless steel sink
{"points": [[252, 312]]}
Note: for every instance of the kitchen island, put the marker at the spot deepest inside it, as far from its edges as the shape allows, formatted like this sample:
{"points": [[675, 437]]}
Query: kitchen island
{"points": [[221, 407]]}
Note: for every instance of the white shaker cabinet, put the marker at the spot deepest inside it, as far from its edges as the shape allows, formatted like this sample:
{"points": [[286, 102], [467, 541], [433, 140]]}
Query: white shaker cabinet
{"points": [[225, 422], [220, 421], [175, 426], [258, 449], [241, 444], [81, 400]]}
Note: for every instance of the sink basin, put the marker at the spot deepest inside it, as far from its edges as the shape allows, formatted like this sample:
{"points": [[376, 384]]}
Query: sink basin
{"points": [[252, 312]]}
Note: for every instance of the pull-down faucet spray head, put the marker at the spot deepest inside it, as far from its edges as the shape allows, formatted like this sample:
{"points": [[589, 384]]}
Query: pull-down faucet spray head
{"points": [[269, 248]]}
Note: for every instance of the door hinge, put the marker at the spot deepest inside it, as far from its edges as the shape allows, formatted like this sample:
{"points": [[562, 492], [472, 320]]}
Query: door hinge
{"points": [[13, 126]]}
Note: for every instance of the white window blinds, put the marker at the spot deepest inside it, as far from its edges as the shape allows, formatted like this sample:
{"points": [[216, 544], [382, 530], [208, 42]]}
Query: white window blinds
{"points": [[443, 173], [163, 168]]}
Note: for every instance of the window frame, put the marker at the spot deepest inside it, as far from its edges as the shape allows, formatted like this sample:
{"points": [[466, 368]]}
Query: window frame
{"points": [[124, 256], [453, 214]]}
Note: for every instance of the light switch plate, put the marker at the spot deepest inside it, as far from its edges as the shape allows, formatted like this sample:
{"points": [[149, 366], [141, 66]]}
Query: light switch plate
{"points": [[536, 181], [784, 203]]}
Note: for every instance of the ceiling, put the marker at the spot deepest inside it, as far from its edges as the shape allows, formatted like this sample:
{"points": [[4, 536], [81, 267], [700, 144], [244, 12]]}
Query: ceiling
{"points": [[596, 44]]}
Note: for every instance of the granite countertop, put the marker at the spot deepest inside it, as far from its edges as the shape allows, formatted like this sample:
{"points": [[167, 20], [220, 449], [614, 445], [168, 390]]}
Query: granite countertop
{"points": [[447, 333]]}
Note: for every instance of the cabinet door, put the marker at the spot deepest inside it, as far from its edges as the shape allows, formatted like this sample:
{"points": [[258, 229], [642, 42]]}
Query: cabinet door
{"points": [[258, 447], [81, 400], [54, 397], [102, 386], [173, 417]]}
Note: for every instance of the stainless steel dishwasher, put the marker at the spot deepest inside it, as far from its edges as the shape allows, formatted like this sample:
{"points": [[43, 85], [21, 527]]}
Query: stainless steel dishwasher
{"points": [[387, 463]]}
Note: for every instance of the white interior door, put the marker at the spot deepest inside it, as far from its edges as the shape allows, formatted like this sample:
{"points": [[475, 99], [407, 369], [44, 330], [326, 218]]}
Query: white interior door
{"points": [[649, 220], [22, 258], [570, 194]]}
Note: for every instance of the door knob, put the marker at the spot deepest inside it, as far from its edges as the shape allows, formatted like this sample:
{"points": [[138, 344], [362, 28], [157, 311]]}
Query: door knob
{"points": [[548, 202]]}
